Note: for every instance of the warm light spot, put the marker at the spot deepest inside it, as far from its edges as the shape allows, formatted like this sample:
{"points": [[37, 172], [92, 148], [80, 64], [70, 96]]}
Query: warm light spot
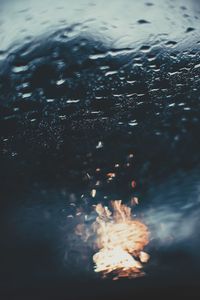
{"points": [[120, 241]]}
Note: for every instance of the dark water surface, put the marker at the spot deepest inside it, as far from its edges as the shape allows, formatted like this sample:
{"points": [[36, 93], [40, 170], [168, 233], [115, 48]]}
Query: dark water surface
{"points": [[82, 86]]}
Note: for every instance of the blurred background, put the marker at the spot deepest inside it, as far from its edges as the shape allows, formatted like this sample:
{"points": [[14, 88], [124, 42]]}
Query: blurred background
{"points": [[87, 85]]}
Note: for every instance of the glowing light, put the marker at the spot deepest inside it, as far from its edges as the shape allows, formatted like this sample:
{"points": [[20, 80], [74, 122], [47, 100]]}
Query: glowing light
{"points": [[119, 240]]}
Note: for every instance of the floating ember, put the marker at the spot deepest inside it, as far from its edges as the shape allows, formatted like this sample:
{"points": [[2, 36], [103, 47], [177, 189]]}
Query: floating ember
{"points": [[120, 240]]}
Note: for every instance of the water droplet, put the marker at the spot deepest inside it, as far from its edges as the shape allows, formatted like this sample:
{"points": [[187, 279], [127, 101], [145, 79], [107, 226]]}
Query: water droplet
{"points": [[145, 48], [170, 43], [142, 21], [111, 73], [20, 69], [197, 66], [149, 4], [133, 123], [60, 82], [189, 29], [99, 145]]}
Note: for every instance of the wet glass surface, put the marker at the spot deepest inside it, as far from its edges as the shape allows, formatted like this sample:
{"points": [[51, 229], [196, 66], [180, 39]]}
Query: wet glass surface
{"points": [[83, 86]]}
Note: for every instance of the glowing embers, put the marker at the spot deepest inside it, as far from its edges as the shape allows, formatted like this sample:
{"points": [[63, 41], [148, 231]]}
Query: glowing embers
{"points": [[120, 240], [118, 260]]}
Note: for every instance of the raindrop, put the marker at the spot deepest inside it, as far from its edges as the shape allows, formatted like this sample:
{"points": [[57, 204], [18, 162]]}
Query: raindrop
{"points": [[60, 82], [171, 43], [111, 73], [99, 145], [149, 3], [197, 66], [133, 123], [73, 101], [171, 105], [145, 48], [142, 21], [20, 69], [189, 29], [26, 95], [183, 7]]}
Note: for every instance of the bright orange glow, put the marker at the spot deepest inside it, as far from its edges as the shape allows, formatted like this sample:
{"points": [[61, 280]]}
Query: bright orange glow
{"points": [[118, 239], [120, 242]]}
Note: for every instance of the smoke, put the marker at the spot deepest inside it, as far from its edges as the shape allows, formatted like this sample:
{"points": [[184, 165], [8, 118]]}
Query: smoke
{"points": [[173, 215], [169, 225]]}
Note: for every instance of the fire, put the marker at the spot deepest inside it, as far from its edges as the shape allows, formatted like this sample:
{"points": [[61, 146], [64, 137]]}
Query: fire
{"points": [[117, 237], [108, 260], [119, 240]]}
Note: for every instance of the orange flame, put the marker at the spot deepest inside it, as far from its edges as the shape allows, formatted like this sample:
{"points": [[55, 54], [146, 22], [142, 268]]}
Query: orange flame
{"points": [[120, 240]]}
